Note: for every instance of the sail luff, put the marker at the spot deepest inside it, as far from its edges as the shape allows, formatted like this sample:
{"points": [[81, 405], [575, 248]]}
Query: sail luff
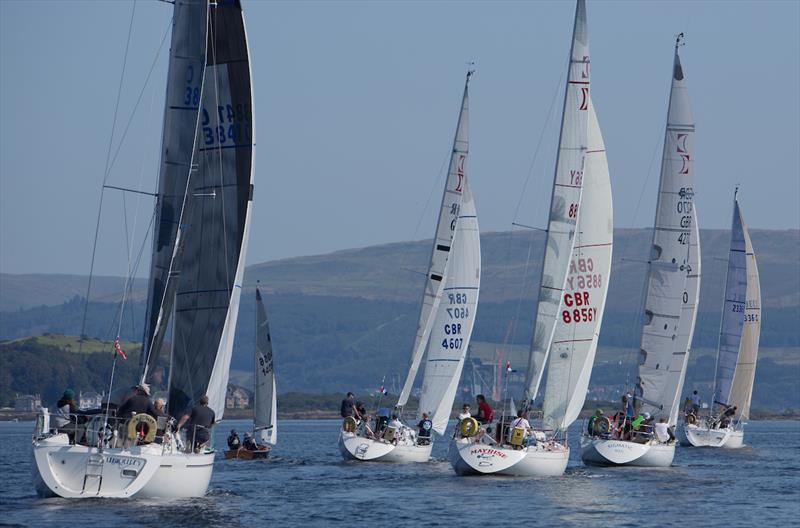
{"points": [[742, 385], [669, 256], [578, 329], [442, 243], [564, 201], [185, 75], [455, 317]]}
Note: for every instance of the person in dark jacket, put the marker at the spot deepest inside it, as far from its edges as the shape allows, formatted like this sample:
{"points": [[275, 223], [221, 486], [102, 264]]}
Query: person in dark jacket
{"points": [[139, 402], [233, 440], [198, 423], [349, 406]]}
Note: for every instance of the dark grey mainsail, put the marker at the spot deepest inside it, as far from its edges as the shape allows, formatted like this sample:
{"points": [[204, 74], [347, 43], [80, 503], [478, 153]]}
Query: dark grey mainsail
{"points": [[184, 90], [265, 404], [207, 300]]}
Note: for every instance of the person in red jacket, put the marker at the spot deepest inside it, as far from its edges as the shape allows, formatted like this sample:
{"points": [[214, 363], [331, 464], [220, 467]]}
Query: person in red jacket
{"points": [[485, 414]]}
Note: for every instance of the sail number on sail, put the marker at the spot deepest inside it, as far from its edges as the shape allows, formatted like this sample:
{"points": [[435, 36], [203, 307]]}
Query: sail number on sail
{"points": [[684, 207], [576, 300], [455, 313], [231, 126]]}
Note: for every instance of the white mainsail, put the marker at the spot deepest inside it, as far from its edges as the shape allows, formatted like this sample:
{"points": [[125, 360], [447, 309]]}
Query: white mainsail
{"points": [[564, 202], [442, 243], [455, 317], [690, 300], [569, 366], [669, 257], [265, 403], [741, 322]]}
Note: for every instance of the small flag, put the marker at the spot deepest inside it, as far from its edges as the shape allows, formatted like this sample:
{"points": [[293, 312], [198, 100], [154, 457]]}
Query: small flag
{"points": [[383, 390], [119, 348]]}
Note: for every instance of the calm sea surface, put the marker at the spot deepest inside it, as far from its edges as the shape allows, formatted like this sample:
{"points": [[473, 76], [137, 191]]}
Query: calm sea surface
{"points": [[307, 483]]}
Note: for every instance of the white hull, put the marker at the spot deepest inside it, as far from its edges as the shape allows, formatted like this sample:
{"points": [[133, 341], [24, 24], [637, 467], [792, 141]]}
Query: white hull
{"points": [[354, 447], [76, 471], [473, 458], [609, 452], [703, 436]]}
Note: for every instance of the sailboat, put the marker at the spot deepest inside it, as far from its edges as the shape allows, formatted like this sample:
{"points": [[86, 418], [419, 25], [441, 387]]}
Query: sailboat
{"points": [[737, 353], [199, 243], [572, 294], [447, 314], [265, 400], [673, 283]]}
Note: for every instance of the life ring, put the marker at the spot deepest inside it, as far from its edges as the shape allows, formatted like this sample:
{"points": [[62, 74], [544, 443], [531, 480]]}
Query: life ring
{"points": [[691, 419], [135, 426], [601, 425], [468, 427], [349, 424]]}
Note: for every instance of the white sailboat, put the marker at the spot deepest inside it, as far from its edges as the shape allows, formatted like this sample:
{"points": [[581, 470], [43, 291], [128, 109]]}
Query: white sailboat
{"points": [[199, 244], [265, 398], [673, 283], [446, 318], [740, 330], [572, 295]]}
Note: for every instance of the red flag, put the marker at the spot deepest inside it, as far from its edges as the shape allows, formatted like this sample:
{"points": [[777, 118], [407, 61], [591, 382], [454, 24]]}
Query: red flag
{"points": [[119, 348], [508, 366]]}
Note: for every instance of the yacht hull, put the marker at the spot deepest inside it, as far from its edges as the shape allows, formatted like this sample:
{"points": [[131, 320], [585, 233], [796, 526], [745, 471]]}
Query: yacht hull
{"points": [[609, 452], [474, 458], [354, 447]]}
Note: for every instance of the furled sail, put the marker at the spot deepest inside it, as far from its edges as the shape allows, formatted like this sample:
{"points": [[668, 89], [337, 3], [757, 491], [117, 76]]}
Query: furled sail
{"points": [[571, 357], [669, 256], [742, 386], [455, 317], [742, 311], [683, 342], [207, 300], [442, 242], [185, 75], [265, 400], [565, 200]]}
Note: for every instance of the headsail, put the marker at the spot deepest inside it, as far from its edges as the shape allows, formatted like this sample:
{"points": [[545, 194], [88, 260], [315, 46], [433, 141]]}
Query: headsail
{"points": [[265, 402], [187, 58], [455, 317], [207, 301], [669, 257], [683, 342], [569, 366], [742, 386], [565, 200], [442, 242], [742, 310]]}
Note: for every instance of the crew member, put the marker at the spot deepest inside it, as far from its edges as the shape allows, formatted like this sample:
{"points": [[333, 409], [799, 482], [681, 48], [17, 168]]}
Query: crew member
{"points": [[424, 434], [198, 422]]}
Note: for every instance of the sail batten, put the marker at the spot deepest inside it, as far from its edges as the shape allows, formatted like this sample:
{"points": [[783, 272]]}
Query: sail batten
{"points": [[442, 242], [669, 263], [564, 201]]}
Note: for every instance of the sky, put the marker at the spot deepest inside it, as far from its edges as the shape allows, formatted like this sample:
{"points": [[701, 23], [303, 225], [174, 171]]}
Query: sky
{"points": [[356, 105]]}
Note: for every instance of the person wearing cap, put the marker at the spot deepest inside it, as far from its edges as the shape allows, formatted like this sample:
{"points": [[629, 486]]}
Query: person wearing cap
{"points": [[139, 402], [233, 440], [249, 442]]}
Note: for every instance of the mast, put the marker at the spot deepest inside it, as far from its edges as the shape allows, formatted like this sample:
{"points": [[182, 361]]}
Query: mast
{"points": [[442, 242], [564, 201], [570, 361], [669, 258]]}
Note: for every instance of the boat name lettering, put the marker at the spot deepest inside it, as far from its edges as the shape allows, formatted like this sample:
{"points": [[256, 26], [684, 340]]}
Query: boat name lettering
{"points": [[123, 461], [480, 451]]}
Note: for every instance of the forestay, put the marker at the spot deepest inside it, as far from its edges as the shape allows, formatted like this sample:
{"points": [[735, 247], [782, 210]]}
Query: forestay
{"points": [[455, 317], [742, 385], [207, 304], [442, 242], [569, 366], [184, 89], [683, 342], [565, 200], [266, 408], [669, 257]]}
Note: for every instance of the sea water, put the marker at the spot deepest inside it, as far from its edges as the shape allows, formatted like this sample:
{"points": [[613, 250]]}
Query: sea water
{"points": [[306, 483]]}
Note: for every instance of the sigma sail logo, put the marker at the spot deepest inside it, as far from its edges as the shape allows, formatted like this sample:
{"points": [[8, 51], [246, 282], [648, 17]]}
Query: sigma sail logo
{"points": [[680, 140], [460, 172], [486, 452], [585, 72]]}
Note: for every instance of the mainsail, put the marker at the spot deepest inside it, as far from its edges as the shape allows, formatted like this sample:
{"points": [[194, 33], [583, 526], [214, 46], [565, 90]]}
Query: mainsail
{"points": [[442, 242], [185, 75], [741, 322], [214, 226], [265, 400], [455, 317], [565, 200], [570, 361], [668, 266], [683, 342]]}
